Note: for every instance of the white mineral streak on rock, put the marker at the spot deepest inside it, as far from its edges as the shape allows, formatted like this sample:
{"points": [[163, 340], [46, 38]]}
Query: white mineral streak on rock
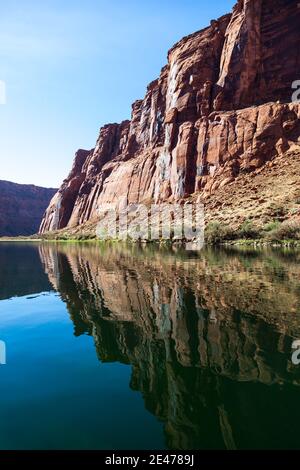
{"points": [[171, 98], [153, 118], [163, 164], [55, 221], [180, 185], [212, 169], [168, 135], [144, 125]]}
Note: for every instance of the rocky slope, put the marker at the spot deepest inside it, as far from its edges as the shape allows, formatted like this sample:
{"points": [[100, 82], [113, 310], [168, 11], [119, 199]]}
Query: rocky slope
{"points": [[22, 208], [220, 109]]}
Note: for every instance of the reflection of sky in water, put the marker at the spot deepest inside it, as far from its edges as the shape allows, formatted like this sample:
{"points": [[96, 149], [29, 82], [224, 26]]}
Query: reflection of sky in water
{"points": [[54, 391]]}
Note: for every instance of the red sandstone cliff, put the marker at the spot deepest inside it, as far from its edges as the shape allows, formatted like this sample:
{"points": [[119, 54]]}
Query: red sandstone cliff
{"points": [[22, 207], [221, 107]]}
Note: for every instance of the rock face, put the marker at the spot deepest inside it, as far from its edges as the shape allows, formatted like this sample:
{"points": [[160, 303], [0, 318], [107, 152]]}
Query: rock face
{"points": [[222, 106], [22, 208]]}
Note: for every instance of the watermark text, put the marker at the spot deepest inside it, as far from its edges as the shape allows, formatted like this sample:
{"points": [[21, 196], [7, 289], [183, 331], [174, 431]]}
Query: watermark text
{"points": [[138, 222], [2, 353], [2, 92]]}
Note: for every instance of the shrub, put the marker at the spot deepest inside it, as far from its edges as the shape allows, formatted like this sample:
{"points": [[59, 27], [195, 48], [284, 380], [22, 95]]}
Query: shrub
{"points": [[289, 230], [216, 233], [271, 226], [248, 230]]}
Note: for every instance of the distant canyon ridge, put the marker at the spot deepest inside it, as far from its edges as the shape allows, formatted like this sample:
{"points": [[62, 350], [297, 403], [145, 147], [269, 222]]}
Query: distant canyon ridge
{"points": [[22, 207], [219, 125]]}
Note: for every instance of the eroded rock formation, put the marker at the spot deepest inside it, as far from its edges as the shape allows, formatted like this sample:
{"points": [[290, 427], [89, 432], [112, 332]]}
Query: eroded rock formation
{"points": [[221, 107]]}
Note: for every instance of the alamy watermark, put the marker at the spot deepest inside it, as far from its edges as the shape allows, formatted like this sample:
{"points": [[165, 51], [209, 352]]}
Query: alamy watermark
{"points": [[296, 94], [139, 222], [2, 92], [296, 353], [2, 353]]}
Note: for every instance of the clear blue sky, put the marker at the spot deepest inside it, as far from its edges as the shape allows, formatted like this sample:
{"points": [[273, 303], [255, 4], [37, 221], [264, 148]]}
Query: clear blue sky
{"points": [[71, 66]]}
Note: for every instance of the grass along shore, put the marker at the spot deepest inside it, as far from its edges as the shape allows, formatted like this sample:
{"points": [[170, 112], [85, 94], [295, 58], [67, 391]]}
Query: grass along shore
{"points": [[276, 233]]}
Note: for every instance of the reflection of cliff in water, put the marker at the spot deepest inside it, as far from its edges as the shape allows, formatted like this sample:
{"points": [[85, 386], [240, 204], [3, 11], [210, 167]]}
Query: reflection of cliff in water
{"points": [[21, 272], [209, 338]]}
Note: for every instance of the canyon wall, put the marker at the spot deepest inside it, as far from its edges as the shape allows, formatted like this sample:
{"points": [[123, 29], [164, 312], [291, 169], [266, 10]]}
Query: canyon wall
{"points": [[22, 207], [222, 106]]}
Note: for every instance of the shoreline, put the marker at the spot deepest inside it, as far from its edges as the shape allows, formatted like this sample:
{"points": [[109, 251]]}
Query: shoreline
{"points": [[255, 243]]}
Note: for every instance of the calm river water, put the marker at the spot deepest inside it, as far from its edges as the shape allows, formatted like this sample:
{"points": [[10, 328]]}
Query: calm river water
{"points": [[120, 347]]}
